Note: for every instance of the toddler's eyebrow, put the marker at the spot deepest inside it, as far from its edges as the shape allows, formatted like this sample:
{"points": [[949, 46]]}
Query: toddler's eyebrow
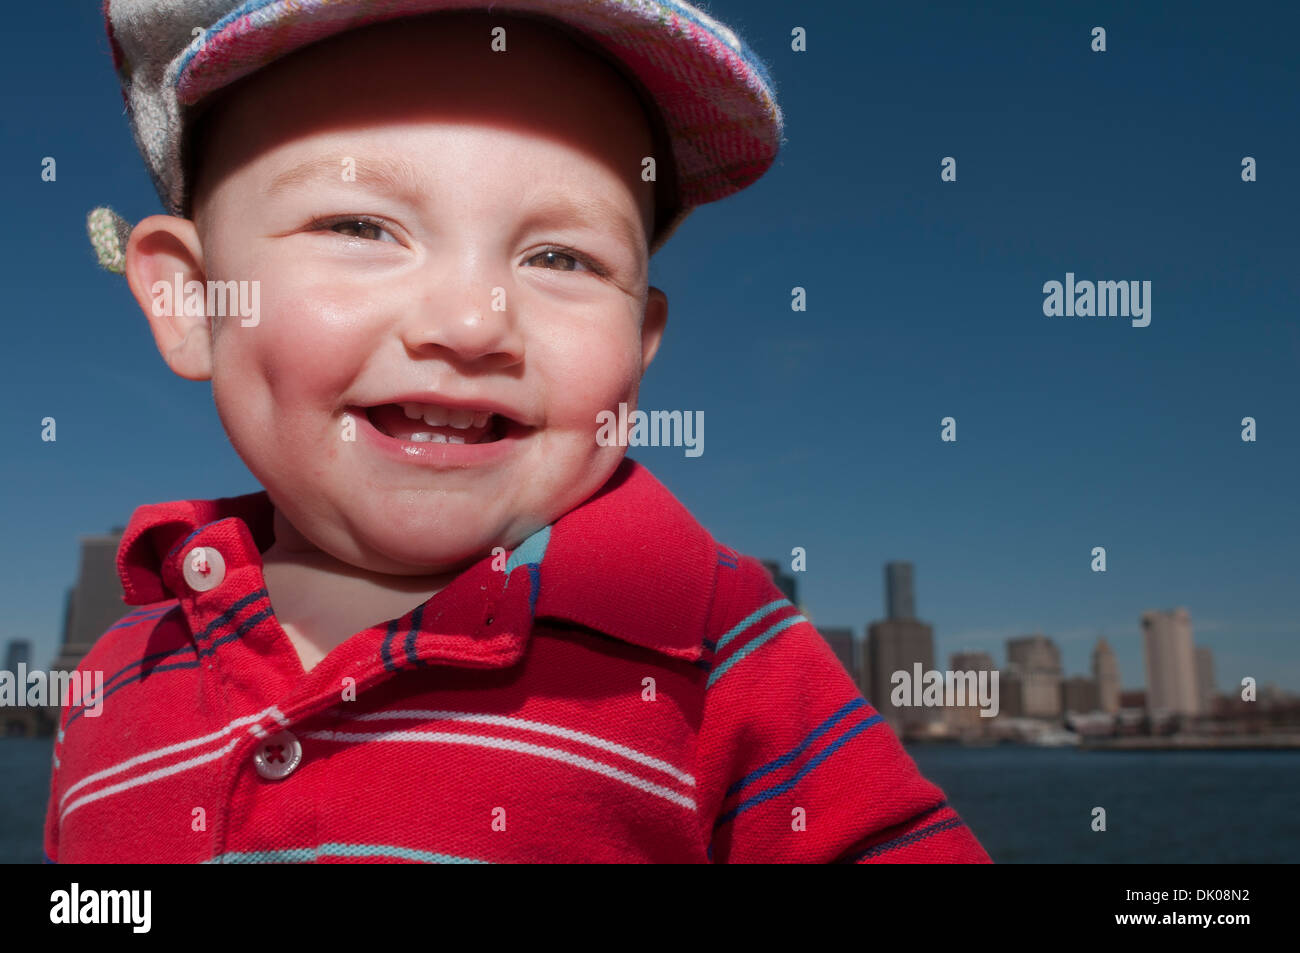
{"points": [[591, 211], [397, 175]]}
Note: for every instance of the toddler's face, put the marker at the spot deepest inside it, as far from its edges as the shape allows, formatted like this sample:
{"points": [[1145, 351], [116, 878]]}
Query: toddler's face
{"points": [[437, 225]]}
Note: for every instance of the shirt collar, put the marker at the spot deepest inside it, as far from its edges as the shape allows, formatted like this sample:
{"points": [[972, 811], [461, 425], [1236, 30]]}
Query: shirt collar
{"points": [[631, 562]]}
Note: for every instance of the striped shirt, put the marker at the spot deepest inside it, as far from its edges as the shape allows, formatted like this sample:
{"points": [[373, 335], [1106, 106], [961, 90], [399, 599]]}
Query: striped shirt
{"points": [[619, 688]]}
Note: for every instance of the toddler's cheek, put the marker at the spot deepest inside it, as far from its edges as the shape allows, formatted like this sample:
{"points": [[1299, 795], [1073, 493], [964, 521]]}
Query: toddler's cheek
{"points": [[583, 384], [312, 347]]}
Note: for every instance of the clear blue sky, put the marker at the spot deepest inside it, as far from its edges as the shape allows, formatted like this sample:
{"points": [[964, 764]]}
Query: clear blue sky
{"points": [[924, 301]]}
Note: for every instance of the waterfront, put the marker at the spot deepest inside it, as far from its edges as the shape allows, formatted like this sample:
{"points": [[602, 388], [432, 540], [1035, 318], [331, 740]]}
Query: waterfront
{"points": [[1025, 804], [1034, 805], [25, 770]]}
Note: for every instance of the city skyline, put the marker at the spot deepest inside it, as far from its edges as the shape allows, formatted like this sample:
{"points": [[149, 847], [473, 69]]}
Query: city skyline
{"points": [[1179, 678], [1081, 642], [96, 585]]}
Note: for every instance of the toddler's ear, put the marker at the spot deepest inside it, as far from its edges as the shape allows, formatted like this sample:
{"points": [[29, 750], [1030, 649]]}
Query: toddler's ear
{"points": [[162, 257], [652, 327]]}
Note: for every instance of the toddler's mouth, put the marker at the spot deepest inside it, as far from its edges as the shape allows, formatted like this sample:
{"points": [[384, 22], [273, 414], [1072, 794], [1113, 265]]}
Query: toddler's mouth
{"points": [[433, 423]]}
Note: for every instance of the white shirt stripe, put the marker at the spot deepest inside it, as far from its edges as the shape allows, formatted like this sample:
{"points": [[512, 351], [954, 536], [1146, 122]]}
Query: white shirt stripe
{"points": [[148, 777], [529, 725], [509, 744], [170, 749]]}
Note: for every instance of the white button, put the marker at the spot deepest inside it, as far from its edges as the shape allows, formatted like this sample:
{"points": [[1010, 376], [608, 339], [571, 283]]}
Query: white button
{"points": [[204, 568], [278, 756]]}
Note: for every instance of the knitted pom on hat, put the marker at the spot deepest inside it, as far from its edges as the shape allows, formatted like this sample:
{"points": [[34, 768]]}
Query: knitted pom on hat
{"points": [[108, 235]]}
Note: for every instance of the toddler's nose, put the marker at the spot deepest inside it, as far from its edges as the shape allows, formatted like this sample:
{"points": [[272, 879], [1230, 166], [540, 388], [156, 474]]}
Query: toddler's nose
{"points": [[473, 327]]}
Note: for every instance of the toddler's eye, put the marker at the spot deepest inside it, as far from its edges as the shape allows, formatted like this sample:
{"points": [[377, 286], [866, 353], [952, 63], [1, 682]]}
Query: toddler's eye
{"points": [[356, 228], [555, 260]]}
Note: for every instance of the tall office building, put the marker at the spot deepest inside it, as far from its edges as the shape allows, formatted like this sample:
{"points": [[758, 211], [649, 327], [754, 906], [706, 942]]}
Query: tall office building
{"points": [[900, 602], [1079, 694], [1133, 699], [783, 581], [1105, 670], [1205, 690], [864, 669], [17, 652], [1170, 662], [95, 602], [896, 644], [971, 662], [1011, 686], [966, 719], [1037, 661], [842, 642], [21, 720]]}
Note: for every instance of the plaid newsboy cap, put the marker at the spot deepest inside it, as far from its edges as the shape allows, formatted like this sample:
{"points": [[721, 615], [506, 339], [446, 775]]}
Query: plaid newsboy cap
{"points": [[707, 94]]}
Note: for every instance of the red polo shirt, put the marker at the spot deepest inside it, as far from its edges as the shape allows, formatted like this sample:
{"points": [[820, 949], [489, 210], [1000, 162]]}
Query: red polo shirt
{"points": [[626, 689]]}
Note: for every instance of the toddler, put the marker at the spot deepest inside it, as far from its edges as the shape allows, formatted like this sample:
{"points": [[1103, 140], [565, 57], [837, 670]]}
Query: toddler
{"points": [[454, 626]]}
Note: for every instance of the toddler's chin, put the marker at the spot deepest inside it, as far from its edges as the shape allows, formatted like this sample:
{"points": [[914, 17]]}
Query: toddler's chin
{"points": [[424, 557], [438, 547]]}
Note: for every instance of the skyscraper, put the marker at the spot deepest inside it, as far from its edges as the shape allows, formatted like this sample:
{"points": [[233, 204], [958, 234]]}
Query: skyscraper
{"points": [[1079, 694], [785, 582], [899, 600], [971, 662], [17, 652], [21, 720], [95, 602], [966, 720], [896, 644], [1037, 660], [865, 684], [1170, 662], [842, 641], [1105, 669], [1205, 690]]}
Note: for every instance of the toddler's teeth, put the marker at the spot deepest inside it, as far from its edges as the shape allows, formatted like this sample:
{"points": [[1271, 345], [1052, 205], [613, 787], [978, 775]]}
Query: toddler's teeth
{"points": [[435, 416], [453, 438]]}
